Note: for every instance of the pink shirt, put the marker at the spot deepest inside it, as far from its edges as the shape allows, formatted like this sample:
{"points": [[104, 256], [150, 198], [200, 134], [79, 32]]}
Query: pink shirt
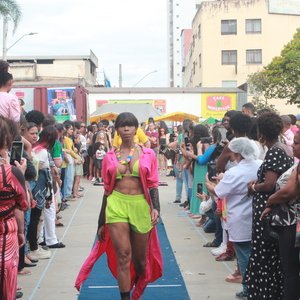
{"points": [[9, 106]]}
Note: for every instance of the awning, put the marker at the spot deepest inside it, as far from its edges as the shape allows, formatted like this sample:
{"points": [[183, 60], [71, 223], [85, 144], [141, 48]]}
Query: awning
{"points": [[142, 111], [108, 116], [177, 117]]}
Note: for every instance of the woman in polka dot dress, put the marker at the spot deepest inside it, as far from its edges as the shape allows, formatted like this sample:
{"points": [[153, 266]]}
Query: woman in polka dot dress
{"points": [[264, 275]]}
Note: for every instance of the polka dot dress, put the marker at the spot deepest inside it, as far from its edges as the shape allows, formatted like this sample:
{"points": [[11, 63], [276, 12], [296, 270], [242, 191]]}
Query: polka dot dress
{"points": [[263, 275]]}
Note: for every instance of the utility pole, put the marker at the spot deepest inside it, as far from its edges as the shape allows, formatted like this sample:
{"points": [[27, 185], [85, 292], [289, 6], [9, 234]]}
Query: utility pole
{"points": [[5, 30], [120, 75]]}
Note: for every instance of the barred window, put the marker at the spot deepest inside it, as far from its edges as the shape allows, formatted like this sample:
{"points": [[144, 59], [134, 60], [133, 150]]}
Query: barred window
{"points": [[253, 25], [254, 56], [228, 27], [229, 57]]}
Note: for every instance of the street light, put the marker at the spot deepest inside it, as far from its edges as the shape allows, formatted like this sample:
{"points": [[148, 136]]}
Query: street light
{"points": [[5, 49], [145, 77]]}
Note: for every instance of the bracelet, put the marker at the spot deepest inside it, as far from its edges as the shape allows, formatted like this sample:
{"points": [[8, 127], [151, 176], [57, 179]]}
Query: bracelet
{"points": [[253, 187]]}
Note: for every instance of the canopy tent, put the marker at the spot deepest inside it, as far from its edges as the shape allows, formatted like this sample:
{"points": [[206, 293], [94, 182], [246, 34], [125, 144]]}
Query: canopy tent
{"points": [[210, 121], [177, 117], [142, 111], [108, 116]]}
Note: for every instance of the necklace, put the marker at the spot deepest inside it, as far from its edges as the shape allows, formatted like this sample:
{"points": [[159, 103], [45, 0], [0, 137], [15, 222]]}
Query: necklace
{"points": [[129, 157]]}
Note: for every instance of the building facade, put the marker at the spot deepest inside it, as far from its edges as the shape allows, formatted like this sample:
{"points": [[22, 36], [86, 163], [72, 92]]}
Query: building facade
{"points": [[54, 70], [180, 15], [235, 38]]}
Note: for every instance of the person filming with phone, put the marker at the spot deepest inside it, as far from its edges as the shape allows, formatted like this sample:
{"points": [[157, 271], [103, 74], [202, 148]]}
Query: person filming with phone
{"points": [[234, 188], [13, 201]]}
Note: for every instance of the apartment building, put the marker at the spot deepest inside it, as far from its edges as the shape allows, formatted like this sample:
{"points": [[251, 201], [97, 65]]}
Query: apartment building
{"points": [[180, 15], [234, 38]]}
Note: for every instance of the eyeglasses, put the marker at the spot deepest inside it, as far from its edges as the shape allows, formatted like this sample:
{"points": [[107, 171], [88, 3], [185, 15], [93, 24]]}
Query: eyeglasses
{"points": [[82, 126]]}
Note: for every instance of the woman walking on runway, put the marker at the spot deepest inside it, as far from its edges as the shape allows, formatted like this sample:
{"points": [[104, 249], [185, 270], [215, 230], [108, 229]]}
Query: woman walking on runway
{"points": [[130, 210]]}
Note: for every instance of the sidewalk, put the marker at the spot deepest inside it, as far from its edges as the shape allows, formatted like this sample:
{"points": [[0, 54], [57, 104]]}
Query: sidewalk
{"points": [[54, 278]]}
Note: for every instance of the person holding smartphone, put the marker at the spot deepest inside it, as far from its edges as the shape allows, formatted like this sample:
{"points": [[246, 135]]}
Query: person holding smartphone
{"points": [[13, 203], [234, 188]]}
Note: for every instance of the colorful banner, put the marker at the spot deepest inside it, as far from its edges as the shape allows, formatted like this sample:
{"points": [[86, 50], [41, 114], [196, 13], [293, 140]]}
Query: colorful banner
{"points": [[216, 104], [160, 105], [61, 103], [27, 94]]}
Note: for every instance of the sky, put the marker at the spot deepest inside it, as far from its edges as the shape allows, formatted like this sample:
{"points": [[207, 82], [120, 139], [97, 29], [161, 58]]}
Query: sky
{"points": [[132, 33]]}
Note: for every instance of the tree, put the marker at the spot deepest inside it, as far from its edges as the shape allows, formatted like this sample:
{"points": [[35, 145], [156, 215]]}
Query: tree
{"points": [[281, 78], [11, 10]]}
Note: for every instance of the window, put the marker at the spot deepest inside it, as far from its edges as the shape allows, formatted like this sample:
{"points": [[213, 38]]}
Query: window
{"points": [[199, 31], [253, 25], [229, 57], [229, 83], [254, 56], [228, 27]]}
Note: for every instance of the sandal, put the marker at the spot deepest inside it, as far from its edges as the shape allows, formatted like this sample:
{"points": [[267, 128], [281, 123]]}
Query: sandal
{"points": [[24, 272], [211, 244]]}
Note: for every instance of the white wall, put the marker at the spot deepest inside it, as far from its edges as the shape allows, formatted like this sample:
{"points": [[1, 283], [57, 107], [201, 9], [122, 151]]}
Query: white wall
{"points": [[188, 103]]}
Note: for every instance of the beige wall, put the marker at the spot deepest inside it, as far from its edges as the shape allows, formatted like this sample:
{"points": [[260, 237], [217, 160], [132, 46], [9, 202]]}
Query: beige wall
{"points": [[277, 31], [60, 68]]}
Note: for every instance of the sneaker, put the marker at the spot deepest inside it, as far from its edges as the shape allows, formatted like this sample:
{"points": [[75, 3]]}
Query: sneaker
{"points": [[220, 250], [40, 253], [241, 295], [93, 179], [81, 189], [177, 201]]}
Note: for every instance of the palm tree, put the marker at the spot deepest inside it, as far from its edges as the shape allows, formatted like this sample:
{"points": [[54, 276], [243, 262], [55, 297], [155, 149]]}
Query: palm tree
{"points": [[11, 11]]}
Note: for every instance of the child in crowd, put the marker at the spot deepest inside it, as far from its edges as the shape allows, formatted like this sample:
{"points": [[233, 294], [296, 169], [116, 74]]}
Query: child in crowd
{"points": [[99, 155]]}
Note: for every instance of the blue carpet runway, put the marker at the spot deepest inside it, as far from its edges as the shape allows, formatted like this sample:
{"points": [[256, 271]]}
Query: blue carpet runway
{"points": [[102, 285]]}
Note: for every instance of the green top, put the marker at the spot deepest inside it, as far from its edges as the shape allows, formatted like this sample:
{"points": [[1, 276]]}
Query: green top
{"points": [[56, 151], [134, 173]]}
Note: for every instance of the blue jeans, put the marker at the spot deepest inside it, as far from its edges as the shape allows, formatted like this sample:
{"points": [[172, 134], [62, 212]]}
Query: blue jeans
{"points": [[68, 180], [219, 230], [242, 251], [179, 182], [186, 182], [210, 224]]}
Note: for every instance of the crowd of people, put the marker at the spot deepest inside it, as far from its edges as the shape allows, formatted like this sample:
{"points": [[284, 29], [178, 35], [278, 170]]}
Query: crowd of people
{"points": [[240, 179], [242, 184]]}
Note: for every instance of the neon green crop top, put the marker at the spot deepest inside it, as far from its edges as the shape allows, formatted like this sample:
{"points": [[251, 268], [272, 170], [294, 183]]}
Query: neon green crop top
{"points": [[134, 173]]}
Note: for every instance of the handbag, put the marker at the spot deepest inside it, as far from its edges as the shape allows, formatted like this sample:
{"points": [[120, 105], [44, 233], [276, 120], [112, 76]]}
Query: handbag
{"points": [[269, 234], [168, 153]]}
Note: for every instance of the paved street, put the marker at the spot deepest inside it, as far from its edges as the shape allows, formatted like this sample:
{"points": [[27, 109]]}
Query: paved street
{"points": [[54, 278]]}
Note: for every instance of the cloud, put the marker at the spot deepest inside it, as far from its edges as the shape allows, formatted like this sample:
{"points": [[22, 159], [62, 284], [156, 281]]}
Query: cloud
{"points": [[132, 33]]}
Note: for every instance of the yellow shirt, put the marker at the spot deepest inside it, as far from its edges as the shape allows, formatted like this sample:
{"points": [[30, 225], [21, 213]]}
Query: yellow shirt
{"points": [[139, 138]]}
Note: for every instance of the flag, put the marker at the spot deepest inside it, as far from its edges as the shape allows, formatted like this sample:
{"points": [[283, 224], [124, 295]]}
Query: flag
{"points": [[106, 81]]}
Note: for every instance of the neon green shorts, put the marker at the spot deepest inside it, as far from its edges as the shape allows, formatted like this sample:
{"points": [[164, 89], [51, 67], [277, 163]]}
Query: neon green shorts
{"points": [[132, 209]]}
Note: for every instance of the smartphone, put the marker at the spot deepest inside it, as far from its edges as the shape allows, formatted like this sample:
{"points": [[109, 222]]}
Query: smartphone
{"points": [[186, 141], [200, 188], [16, 152]]}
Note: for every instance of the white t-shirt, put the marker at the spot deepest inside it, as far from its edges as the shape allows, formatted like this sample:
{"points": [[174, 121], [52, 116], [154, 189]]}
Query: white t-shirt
{"points": [[42, 156], [234, 188]]}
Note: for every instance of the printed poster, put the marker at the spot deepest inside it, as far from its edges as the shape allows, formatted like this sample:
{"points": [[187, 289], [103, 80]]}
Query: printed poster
{"points": [[215, 105], [61, 103]]}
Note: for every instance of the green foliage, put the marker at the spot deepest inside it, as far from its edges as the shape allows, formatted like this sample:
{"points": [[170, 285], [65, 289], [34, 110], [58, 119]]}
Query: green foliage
{"points": [[11, 10], [281, 78]]}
